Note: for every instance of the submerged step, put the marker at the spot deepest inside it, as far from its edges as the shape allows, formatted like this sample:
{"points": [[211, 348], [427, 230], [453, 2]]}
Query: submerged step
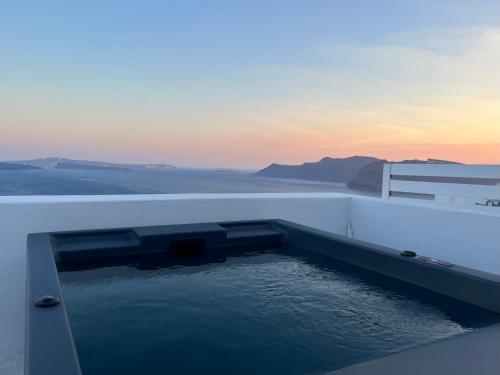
{"points": [[253, 233]]}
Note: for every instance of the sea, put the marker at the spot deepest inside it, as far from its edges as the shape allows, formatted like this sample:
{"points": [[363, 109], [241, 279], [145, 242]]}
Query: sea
{"points": [[152, 181]]}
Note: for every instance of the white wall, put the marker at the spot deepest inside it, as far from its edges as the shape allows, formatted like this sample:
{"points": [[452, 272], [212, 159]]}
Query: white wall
{"points": [[22, 215], [468, 237]]}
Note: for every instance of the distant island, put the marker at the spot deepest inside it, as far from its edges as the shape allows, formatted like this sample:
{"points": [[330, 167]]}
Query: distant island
{"points": [[357, 172], [64, 163], [89, 167], [16, 167], [327, 169]]}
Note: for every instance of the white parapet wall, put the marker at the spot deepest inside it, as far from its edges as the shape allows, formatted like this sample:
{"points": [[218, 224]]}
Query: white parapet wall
{"points": [[465, 236], [470, 237]]}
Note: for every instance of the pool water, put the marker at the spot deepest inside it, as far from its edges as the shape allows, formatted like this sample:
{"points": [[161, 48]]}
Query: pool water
{"points": [[282, 311]]}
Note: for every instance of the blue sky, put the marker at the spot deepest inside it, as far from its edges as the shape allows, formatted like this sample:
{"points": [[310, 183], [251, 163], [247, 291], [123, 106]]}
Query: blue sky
{"points": [[199, 37], [200, 82]]}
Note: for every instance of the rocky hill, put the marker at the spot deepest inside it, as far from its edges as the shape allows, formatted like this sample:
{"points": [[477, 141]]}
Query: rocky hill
{"points": [[368, 177], [327, 169]]}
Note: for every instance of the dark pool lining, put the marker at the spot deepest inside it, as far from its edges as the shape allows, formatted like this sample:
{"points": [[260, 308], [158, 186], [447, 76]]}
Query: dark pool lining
{"points": [[451, 306], [465, 284]]}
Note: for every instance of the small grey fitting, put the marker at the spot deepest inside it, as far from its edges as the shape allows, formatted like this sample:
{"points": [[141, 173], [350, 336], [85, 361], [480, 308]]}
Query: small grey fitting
{"points": [[47, 301], [408, 253]]}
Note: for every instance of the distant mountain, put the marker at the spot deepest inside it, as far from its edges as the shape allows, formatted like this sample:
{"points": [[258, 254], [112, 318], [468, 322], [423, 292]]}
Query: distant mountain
{"points": [[327, 169], [63, 163], [369, 177], [155, 166], [89, 167], [16, 167]]}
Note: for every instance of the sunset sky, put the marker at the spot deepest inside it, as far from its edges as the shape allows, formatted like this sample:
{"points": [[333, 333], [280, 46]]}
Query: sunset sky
{"points": [[242, 84]]}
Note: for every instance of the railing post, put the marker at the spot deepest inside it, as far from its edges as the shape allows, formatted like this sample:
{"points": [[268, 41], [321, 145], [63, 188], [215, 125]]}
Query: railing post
{"points": [[386, 181]]}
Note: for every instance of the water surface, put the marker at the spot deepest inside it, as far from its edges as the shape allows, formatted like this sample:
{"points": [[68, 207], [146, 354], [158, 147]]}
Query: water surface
{"points": [[274, 312]]}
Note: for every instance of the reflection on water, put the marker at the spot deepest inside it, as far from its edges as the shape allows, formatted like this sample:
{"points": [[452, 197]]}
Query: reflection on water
{"points": [[273, 312]]}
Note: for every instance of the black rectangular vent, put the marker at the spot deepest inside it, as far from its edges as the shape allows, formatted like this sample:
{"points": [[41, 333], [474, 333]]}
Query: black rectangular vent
{"points": [[187, 247]]}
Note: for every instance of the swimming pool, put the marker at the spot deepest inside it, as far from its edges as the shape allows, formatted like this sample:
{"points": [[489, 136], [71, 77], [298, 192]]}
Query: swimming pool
{"points": [[267, 297]]}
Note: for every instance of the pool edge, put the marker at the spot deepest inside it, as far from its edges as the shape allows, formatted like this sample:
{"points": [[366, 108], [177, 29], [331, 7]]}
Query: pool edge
{"points": [[469, 353]]}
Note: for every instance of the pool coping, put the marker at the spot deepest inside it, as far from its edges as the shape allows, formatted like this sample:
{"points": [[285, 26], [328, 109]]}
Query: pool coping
{"points": [[469, 353], [50, 346]]}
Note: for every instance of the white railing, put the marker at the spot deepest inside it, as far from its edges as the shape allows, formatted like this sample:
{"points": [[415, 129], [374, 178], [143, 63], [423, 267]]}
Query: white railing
{"points": [[444, 182]]}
